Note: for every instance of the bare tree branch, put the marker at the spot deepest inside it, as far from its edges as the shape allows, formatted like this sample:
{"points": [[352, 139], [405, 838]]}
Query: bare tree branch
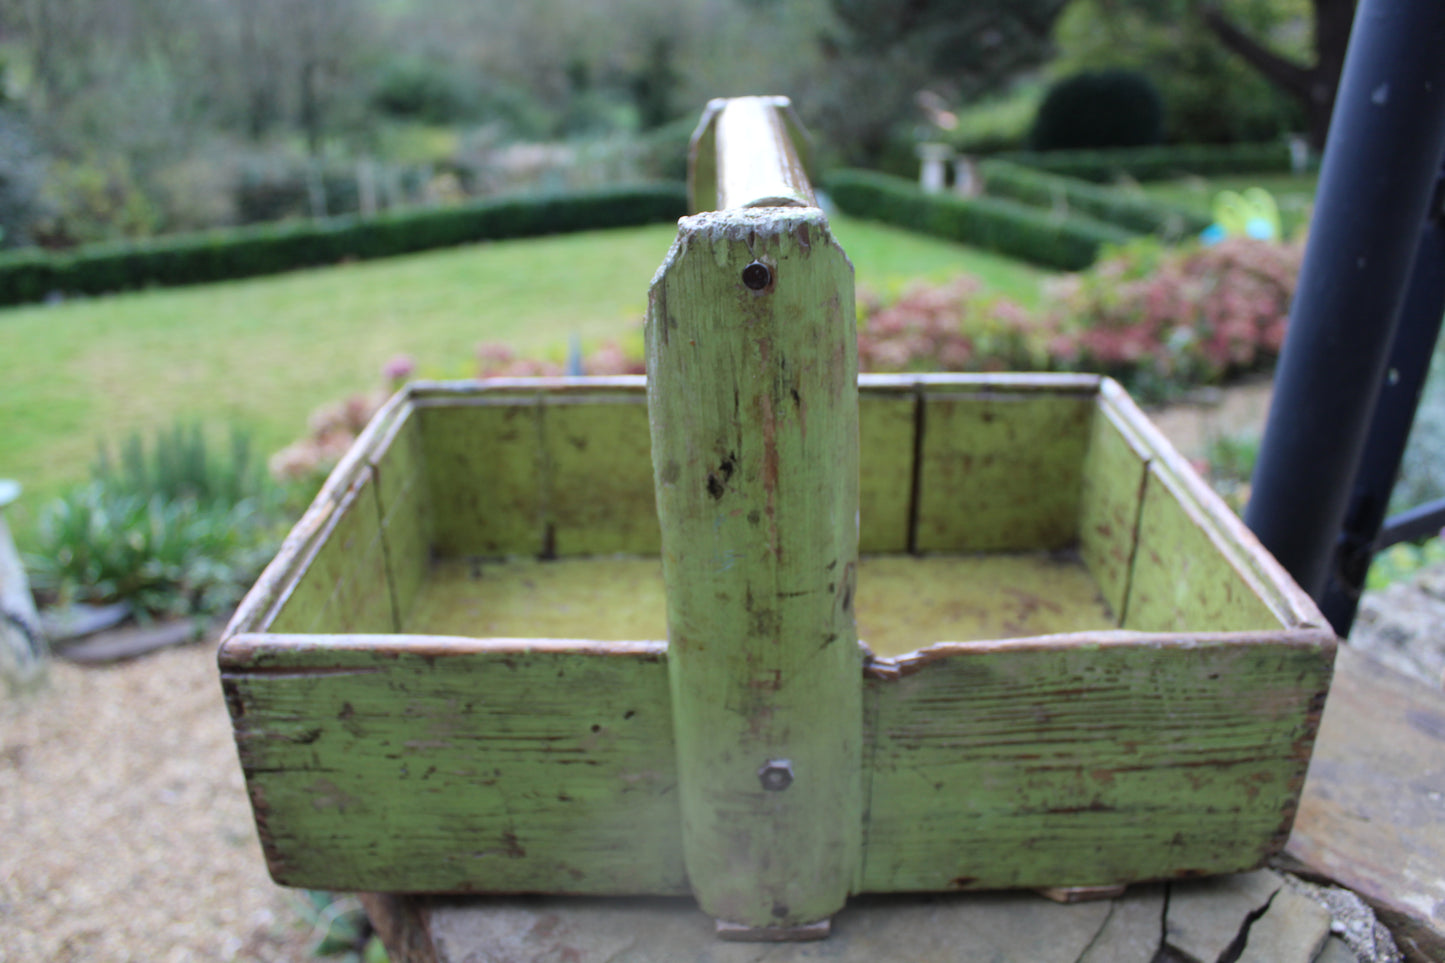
{"points": [[1291, 77]]}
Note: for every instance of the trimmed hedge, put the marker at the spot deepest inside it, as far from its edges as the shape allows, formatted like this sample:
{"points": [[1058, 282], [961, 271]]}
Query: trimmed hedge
{"points": [[1069, 242], [1003, 179], [30, 274], [1158, 163]]}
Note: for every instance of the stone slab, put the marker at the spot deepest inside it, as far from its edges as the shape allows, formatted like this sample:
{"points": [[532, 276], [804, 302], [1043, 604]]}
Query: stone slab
{"points": [[1133, 930], [1204, 918], [1293, 930], [994, 928]]}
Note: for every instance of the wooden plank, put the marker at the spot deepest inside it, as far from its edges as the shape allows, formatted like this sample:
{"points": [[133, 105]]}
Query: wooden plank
{"points": [[1184, 579], [1373, 814], [1109, 506], [1001, 471], [886, 465], [752, 374], [344, 586], [484, 466], [599, 477], [1088, 760], [406, 523], [404, 763]]}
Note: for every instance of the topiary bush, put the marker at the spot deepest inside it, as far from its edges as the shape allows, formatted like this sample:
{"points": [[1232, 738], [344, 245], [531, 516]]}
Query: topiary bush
{"points": [[1066, 241], [1109, 108]]}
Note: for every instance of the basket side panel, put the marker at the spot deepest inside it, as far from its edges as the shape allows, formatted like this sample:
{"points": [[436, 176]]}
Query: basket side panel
{"points": [[886, 463], [388, 767], [1184, 579], [1089, 764], [599, 477], [1001, 472], [1113, 492], [344, 586], [405, 506], [484, 463]]}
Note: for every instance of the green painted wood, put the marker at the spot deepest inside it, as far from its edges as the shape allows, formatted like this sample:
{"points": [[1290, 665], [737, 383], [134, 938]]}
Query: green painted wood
{"points": [[885, 484], [599, 491], [344, 586], [405, 503], [1089, 761], [485, 466], [1109, 506], [1184, 579], [1001, 471], [753, 403], [405, 764]]}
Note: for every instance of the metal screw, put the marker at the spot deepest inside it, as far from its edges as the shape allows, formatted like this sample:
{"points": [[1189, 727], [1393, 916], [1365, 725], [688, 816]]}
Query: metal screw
{"points": [[757, 276], [776, 775]]}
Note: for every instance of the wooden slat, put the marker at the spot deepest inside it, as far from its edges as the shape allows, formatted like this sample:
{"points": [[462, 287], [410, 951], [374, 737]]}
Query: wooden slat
{"points": [[405, 502], [599, 476], [1001, 471], [885, 485], [404, 764], [1088, 761], [1373, 813], [485, 466], [343, 586], [1109, 506], [752, 392], [1184, 578]]}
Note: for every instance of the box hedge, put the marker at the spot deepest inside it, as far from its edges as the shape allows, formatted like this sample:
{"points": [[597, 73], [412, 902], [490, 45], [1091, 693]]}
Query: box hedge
{"points": [[30, 274], [1004, 179], [1159, 162], [1065, 241]]}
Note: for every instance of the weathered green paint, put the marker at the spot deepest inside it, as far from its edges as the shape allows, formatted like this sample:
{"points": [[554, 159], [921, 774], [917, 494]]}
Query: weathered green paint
{"points": [[1088, 761], [1074, 759], [1184, 580], [903, 602], [907, 602], [599, 476], [606, 599], [1109, 505], [345, 586], [413, 764], [1001, 472], [485, 468], [885, 488], [753, 403], [400, 473]]}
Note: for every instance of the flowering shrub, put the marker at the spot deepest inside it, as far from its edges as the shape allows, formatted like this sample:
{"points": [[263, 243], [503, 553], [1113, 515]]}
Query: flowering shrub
{"points": [[1161, 319], [952, 327]]}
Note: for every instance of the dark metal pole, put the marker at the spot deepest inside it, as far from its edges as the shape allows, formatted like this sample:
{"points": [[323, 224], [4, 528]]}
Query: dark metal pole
{"points": [[1386, 140], [1408, 367]]}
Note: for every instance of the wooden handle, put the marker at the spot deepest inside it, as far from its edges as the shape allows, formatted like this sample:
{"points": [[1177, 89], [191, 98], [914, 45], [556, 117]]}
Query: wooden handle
{"points": [[746, 152]]}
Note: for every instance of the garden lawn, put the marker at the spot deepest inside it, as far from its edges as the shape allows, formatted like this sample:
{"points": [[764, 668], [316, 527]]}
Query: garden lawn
{"points": [[263, 353], [1293, 193]]}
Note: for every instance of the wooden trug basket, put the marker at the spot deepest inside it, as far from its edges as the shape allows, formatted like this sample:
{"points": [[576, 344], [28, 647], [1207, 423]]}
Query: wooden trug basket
{"points": [[1077, 668]]}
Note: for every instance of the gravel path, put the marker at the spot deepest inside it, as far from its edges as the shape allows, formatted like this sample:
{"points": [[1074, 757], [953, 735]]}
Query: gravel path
{"points": [[125, 833]]}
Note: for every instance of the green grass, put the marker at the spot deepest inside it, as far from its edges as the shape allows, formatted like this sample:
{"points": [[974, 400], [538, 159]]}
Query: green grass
{"points": [[263, 353], [1293, 193]]}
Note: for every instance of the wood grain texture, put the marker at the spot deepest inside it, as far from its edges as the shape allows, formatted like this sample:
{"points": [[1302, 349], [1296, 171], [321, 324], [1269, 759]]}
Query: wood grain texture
{"points": [[886, 466], [599, 476], [405, 506], [412, 764], [1109, 506], [1373, 813], [752, 393], [344, 585], [1087, 760], [485, 466], [1184, 578], [1001, 471]]}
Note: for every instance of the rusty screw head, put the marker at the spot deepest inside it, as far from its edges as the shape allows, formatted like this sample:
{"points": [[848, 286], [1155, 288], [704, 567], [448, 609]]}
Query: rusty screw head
{"points": [[757, 276], [776, 775]]}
